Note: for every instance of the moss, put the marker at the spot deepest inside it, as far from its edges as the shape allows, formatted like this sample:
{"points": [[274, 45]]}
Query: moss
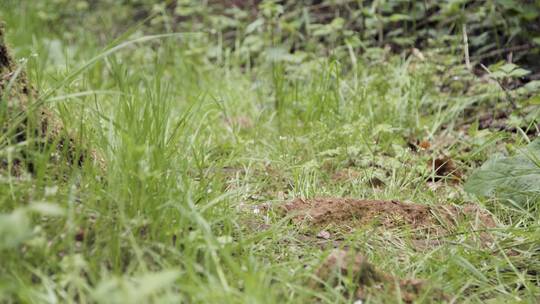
{"points": [[5, 59], [19, 89], [39, 122]]}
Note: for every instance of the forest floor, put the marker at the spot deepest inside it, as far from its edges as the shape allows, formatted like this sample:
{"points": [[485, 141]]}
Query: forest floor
{"points": [[329, 181]]}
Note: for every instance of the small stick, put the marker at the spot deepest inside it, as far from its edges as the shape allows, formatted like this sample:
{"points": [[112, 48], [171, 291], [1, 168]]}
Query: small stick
{"points": [[466, 47], [517, 48]]}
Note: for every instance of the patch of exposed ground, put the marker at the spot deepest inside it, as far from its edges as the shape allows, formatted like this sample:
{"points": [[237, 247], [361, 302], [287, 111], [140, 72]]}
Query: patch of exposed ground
{"points": [[343, 268], [352, 213], [368, 279]]}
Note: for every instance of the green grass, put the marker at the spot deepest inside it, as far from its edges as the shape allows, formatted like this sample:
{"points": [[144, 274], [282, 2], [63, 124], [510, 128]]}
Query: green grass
{"points": [[169, 219]]}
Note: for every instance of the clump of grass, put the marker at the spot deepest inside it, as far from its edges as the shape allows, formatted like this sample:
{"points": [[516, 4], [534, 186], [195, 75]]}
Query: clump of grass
{"points": [[169, 220]]}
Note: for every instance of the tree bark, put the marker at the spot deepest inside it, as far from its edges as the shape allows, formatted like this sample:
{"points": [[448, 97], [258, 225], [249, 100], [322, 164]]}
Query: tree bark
{"points": [[18, 118]]}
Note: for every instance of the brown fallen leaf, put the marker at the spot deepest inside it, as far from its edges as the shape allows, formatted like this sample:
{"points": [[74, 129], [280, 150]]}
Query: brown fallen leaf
{"points": [[418, 145], [444, 166], [424, 144]]}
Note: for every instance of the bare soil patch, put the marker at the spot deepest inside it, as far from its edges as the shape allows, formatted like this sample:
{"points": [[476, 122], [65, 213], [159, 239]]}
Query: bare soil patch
{"points": [[368, 279], [352, 213]]}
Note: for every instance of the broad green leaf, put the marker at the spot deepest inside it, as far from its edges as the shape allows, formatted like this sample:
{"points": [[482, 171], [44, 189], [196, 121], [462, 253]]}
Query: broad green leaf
{"points": [[399, 17], [254, 26], [278, 55], [509, 70], [535, 100], [516, 178], [533, 86], [498, 75], [519, 72]]}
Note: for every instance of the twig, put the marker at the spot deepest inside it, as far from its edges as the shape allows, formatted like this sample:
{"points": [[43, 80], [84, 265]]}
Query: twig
{"points": [[466, 47], [516, 48], [506, 93]]}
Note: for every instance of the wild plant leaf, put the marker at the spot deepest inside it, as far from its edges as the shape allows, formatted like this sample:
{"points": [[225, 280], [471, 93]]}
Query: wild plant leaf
{"points": [[509, 70], [254, 26], [399, 17], [535, 100], [516, 178], [510, 4], [15, 228], [533, 86], [519, 72], [134, 289]]}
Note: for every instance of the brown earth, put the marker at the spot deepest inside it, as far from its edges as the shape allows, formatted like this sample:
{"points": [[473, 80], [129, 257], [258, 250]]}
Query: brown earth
{"points": [[367, 279], [352, 213]]}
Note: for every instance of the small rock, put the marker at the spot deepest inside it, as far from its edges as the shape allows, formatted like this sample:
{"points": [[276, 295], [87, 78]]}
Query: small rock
{"points": [[324, 235]]}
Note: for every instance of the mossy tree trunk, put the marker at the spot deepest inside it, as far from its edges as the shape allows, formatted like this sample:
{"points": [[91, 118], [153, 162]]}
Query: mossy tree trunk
{"points": [[16, 96], [21, 119]]}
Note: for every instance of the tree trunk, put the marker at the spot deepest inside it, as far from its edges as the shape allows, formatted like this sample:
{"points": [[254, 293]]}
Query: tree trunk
{"points": [[18, 118]]}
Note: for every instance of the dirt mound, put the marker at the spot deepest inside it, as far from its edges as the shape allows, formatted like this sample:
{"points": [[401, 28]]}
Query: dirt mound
{"points": [[346, 212], [368, 280]]}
